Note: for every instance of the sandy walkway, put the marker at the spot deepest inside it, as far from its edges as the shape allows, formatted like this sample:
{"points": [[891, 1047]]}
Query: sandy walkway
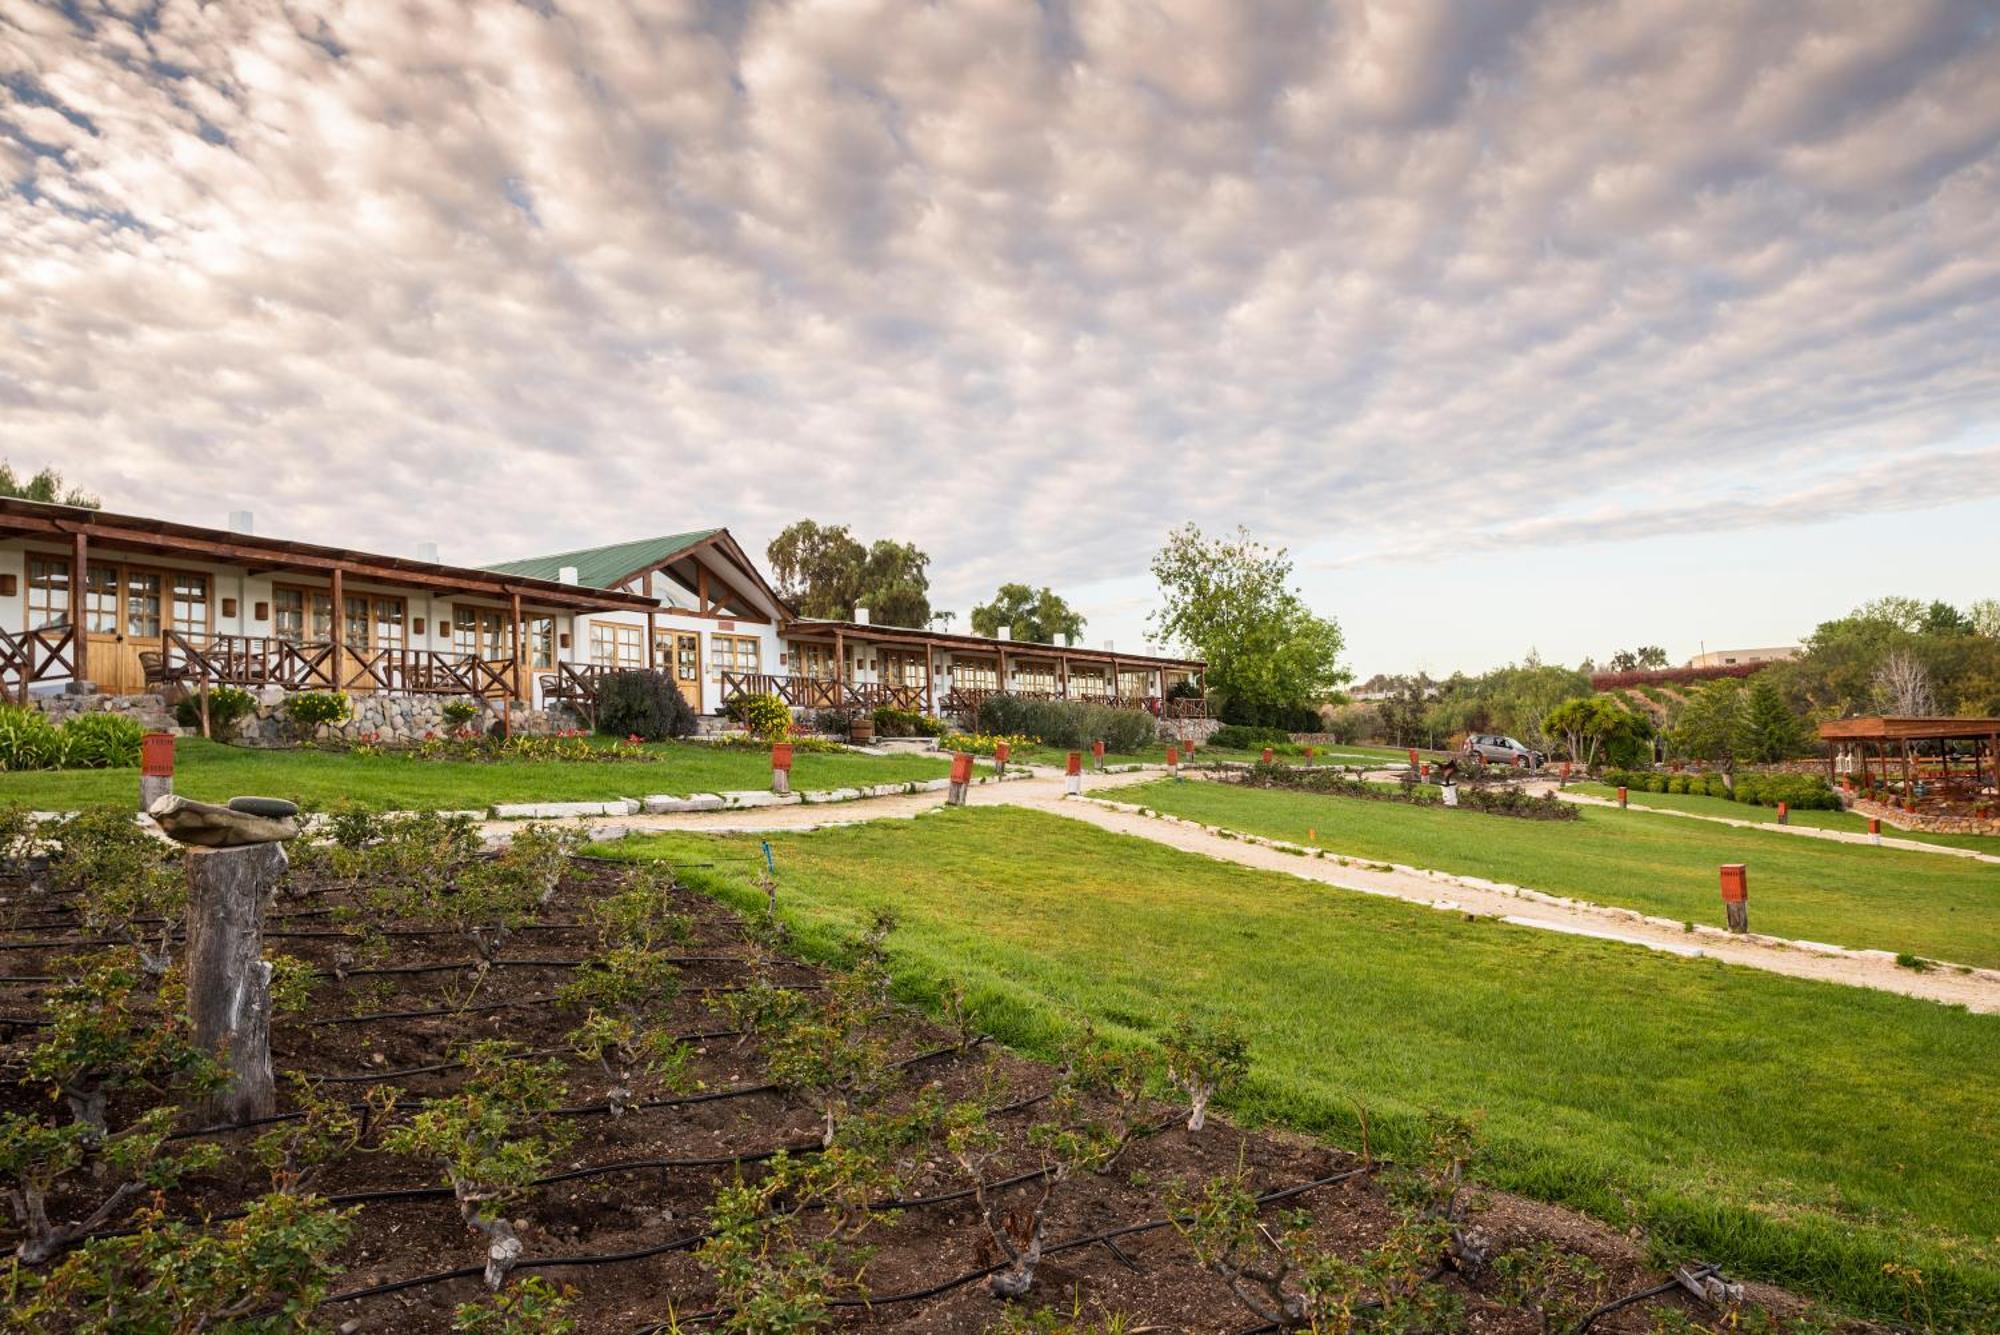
{"points": [[1978, 989]]}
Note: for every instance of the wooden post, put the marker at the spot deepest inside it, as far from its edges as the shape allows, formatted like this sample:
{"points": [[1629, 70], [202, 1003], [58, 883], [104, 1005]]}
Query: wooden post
{"points": [[1909, 776], [338, 622], [652, 641], [1736, 895], [228, 983], [520, 648], [79, 612], [930, 677], [1062, 675], [839, 670]]}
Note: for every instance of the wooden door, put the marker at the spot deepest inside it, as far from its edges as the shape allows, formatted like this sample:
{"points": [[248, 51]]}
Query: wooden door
{"points": [[122, 610], [687, 666]]}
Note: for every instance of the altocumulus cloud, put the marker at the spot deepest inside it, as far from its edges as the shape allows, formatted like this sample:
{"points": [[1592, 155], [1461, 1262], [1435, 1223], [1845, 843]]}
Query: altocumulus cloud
{"points": [[1023, 283]]}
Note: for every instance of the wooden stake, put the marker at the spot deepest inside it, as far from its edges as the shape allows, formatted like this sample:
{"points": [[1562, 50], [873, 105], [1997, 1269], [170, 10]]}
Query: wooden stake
{"points": [[229, 984]]}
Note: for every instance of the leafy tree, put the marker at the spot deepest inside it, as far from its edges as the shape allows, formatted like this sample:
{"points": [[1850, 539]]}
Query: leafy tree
{"points": [[1896, 612], [1230, 600], [46, 485], [1036, 616], [1985, 617], [1647, 657], [1770, 731], [1588, 724], [1710, 726], [824, 571], [1941, 618]]}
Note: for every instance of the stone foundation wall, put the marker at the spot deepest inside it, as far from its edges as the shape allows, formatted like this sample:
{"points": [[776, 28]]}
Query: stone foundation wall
{"points": [[151, 712], [1197, 729], [1900, 819], [394, 718]]}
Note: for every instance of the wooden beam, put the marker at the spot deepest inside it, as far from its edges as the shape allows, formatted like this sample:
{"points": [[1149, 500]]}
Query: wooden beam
{"points": [[653, 641], [338, 630], [520, 648], [79, 614]]}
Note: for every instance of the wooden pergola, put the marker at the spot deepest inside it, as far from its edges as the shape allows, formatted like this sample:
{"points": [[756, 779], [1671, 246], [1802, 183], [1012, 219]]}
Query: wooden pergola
{"points": [[1897, 739]]}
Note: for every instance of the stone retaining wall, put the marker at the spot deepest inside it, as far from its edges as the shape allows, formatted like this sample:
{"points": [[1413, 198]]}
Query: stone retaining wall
{"points": [[1199, 729], [150, 712], [1897, 818]]}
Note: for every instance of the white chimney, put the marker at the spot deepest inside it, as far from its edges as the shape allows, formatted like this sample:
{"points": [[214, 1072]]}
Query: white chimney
{"points": [[1109, 646], [240, 522], [860, 616], [566, 575], [1004, 633], [427, 551]]}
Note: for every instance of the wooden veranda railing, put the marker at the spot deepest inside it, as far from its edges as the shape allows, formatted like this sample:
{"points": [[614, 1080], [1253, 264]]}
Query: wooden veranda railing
{"points": [[29, 656], [823, 692], [256, 661]]}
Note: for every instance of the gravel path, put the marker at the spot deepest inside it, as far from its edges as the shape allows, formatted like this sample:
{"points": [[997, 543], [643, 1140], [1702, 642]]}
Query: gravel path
{"points": [[1976, 989]]}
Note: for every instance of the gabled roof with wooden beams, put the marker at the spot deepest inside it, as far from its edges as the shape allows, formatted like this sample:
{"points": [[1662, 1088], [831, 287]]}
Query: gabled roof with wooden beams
{"points": [[805, 628], [159, 537], [1877, 728], [618, 564]]}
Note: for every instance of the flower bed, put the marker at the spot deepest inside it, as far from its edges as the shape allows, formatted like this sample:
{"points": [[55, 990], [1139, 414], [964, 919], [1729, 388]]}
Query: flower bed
{"points": [[1491, 799], [569, 746]]}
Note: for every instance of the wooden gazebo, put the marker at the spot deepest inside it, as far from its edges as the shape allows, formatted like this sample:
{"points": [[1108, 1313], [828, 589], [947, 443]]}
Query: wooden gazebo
{"points": [[1896, 742]]}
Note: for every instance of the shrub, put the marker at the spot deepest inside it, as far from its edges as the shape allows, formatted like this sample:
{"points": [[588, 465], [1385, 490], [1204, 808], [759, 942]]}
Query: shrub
{"points": [[834, 722], [102, 741], [1242, 737], [768, 718], [29, 741], [227, 706], [1070, 724], [1801, 792], [642, 704], [1285, 718], [459, 713], [309, 711], [981, 743], [1496, 801], [893, 722]]}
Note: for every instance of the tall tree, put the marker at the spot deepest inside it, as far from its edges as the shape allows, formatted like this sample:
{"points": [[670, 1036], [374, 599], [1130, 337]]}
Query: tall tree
{"points": [[1230, 599], [824, 571], [1985, 617], [1037, 616], [46, 485], [1710, 727], [1769, 731]]}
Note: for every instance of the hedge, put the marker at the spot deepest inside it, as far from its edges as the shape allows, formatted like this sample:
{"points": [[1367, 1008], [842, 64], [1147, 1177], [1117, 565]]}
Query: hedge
{"points": [[1801, 792], [1071, 724]]}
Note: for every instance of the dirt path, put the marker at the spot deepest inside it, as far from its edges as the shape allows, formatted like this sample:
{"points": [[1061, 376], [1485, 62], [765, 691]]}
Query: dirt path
{"points": [[1977, 990]]}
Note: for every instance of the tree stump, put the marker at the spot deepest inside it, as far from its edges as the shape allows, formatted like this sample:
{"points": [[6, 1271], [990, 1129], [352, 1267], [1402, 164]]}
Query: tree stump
{"points": [[229, 984]]}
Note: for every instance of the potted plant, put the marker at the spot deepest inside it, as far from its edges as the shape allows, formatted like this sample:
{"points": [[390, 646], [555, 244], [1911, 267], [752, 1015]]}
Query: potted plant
{"points": [[862, 728]]}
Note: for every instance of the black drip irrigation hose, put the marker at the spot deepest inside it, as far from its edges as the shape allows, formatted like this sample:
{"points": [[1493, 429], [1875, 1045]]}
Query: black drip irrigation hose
{"points": [[373, 1016], [1698, 1273], [470, 966], [367, 1077]]}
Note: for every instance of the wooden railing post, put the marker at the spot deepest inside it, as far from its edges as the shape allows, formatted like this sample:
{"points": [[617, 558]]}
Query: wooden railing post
{"points": [[79, 617]]}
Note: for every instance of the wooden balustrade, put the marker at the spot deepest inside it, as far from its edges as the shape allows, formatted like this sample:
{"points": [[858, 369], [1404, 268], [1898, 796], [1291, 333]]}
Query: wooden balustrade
{"points": [[29, 656], [257, 661]]}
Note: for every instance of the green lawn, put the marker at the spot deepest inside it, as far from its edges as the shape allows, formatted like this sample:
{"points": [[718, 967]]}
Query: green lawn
{"points": [[1845, 894], [1793, 1131], [211, 771], [1705, 805]]}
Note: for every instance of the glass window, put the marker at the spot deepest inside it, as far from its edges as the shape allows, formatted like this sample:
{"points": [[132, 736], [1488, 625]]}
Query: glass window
{"points": [[975, 674], [541, 642], [1135, 685], [48, 592], [301, 615], [812, 660], [481, 632], [190, 603], [100, 600], [388, 628], [616, 645], [734, 653], [354, 621], [687, 657], [1035, 677]]}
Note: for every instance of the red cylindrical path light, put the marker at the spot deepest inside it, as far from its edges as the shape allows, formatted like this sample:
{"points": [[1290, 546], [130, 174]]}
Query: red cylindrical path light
{"points": [[1097, 752], [1736, 895], [1073, 775], [781, 767], [1173, 757], [1267, 755], [1784, 813], [1621, 797], [961, 778], [156, 768]]}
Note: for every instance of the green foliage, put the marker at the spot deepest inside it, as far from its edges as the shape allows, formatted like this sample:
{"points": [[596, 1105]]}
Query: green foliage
{"points": [[46, 485], [982, 743], [893, 722], [1204, 1058], [1560, 1287], [325, 1132], [1497, 800], [109, 1030], [768, 718], [1711, 724], [533, 1306], [258, 1275], [823, 571], [1800, 792], [1034, 616], [310, 711], [28, 741], [1588, 725], [1070, 724], [773, 1277], [459, 713], [1239, 712], [642, 704], [1767, 730], [1241, 737], [227, 706], [36, 1158], [1230, 599]]}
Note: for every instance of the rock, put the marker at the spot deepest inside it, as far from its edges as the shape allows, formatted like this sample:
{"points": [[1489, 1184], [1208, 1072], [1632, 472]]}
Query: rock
{"points": [[207, 826], [275, 807]]}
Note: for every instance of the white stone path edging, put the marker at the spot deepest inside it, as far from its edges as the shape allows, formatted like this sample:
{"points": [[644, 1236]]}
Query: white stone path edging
{"points": [[1976, 988], [1807, 831]]}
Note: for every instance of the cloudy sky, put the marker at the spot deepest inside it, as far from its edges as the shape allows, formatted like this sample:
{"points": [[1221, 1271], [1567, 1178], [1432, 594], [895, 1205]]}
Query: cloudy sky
{"points": [[1526, 326]]}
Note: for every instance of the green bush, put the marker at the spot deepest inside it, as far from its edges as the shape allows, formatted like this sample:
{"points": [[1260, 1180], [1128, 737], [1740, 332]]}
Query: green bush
{"points": [[893, 722], [1243, 737], [642, 704], [1285, 718], [459, 713], [1069, 724], [29, 741], [1801, 792], [102, 741], [227, 706], [311, 710]]}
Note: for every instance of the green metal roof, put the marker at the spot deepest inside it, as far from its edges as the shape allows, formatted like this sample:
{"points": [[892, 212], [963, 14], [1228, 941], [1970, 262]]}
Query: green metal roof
{"points": [[604, 567]]}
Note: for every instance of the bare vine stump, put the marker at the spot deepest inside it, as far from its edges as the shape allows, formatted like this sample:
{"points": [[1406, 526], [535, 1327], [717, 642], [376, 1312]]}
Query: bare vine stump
{"points": [[229, 984]]}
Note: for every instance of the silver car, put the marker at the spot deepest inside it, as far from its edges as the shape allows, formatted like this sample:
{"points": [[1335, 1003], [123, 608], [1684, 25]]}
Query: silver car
{"points": [[1497, 750]]}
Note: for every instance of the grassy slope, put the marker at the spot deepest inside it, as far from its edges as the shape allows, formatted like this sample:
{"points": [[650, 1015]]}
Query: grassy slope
{"points": [[1846, 894], [209, 771], [1802, 1132], [1705, 805]]}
